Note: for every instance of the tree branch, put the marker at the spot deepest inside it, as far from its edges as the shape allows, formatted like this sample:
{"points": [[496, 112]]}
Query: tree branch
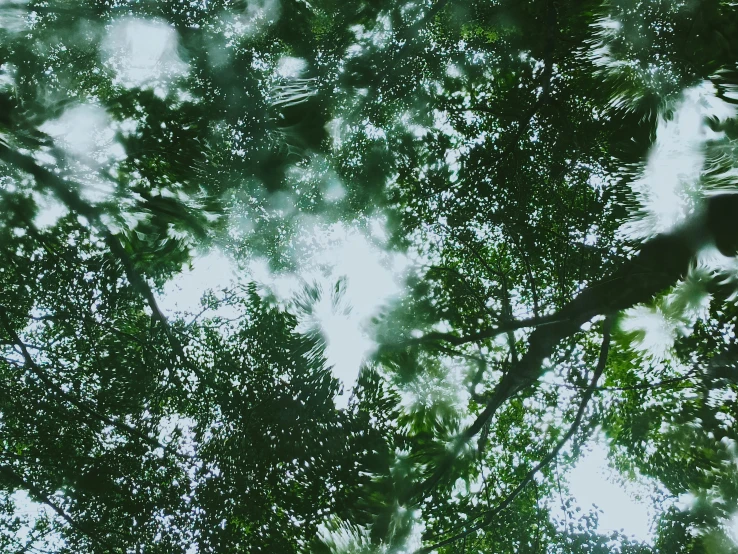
{"points": [[661, 262], [81, 406], [66, 192], [40, 495], [546, 77], [488, 518], [644, 386], [456, 340], [463, 280], [528, 269]]}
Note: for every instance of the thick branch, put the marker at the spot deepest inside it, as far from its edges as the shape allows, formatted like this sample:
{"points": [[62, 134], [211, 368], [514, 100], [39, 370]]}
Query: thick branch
{"points": [[660, 264], [488, 518]]}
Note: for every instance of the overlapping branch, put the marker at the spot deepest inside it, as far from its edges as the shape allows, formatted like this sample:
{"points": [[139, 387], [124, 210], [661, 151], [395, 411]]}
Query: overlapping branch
{"points": [[66, 192], [54, 387], [488, 518], [661, 262], [39, 495]]}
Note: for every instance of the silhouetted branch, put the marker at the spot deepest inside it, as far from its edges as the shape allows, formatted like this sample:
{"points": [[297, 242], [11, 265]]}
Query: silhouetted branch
{"points": [[39, 495], [51, 385], [66, 192], [463, 280], [546, 78], [643, 386], [488, 518], [457, 340], [528, 269]]}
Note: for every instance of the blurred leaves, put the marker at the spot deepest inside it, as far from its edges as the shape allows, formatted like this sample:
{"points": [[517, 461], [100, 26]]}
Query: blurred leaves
{"points": [[495, 141]]}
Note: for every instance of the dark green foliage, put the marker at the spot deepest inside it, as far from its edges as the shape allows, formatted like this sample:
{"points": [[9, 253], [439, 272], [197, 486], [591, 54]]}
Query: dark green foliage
{"points": [[501, 142]]}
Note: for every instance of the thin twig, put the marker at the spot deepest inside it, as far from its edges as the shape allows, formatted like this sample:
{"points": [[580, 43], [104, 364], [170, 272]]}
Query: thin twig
{"points": [[66, 192], [457, 340], [464, 281], [644, 386], [83, 407], [39, 494]]}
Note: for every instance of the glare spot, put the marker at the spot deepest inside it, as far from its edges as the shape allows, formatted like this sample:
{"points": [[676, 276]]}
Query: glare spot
{"points": [[685, 501], [256, 18], [7, 75], [377, 227], [653, 334], [169, 425], [293, 92], [85, 132], [142, 52], [689, 300], [333, 191], [290, 67], [283, 286], [379, 36], [336, 130], [127, 127], [453, 71], [608, 26], [50, 210], [724, 268], [341, 537]]}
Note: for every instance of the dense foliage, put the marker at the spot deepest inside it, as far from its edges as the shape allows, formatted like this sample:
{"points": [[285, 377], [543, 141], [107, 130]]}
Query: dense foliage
{"points": [[557, 177]]}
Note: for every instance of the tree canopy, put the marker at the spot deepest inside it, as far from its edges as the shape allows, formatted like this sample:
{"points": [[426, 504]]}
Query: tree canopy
{"points": [[546, 189]]}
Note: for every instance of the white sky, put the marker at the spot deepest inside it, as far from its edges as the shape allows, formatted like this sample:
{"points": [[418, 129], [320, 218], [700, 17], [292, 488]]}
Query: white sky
{"points": [[593, 482], [326, 253], [668, 190], [369, 278], [143, 53], [183, 293], [29, 511], [733, 528]]}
